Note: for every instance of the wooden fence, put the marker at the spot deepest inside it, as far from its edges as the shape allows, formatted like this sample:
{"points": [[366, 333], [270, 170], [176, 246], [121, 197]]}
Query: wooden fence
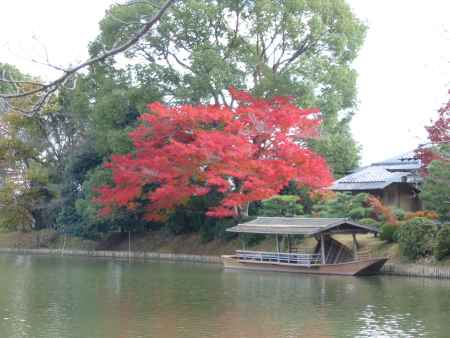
{"points": [[416, 270]]}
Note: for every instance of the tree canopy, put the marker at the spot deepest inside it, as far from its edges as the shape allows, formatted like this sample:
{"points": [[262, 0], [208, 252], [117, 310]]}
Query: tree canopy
{"points": [[302, 49], [247, 153], [435, 156]]}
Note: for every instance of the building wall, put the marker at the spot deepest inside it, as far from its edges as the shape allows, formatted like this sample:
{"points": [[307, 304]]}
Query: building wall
{"points": [[397, 195], [401, 195]]}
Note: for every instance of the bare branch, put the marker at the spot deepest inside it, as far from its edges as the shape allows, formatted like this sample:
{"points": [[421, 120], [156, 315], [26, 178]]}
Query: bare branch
{"points": [[181, 63], [45, 90]]}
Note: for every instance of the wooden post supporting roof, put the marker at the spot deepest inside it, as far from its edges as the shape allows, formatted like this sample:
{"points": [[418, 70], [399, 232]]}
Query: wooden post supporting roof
{"points": [[278, 246], [355, 247], [322, 248], [241, 238]]}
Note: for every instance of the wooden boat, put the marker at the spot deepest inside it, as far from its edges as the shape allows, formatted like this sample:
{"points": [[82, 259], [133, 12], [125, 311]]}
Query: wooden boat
{"points": [[328, 257]]}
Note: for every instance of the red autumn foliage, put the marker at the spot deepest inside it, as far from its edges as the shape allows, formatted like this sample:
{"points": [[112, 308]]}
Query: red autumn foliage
{"points": [[438, 134], [247, 153], [381, 210]]}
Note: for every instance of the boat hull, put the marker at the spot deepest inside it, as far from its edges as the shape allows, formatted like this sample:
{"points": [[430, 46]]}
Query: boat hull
{"points": [[368, 266]]}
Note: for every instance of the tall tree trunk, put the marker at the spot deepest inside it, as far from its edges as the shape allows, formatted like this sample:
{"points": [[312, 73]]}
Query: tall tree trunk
{"points": [[243, 210]]}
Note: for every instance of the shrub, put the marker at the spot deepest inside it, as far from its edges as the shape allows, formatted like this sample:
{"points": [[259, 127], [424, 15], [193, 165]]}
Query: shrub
{"points": [[368, 221], [321, 196], [399, 213], [281, 205], [422, 213], [344, 205], [359, 213], [389, 232], [442, 243], [416, 237]]}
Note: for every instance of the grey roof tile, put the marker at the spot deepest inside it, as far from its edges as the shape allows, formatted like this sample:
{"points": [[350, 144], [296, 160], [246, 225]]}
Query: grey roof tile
{"points": [[406, 158], [295, 225], [381, 174]]}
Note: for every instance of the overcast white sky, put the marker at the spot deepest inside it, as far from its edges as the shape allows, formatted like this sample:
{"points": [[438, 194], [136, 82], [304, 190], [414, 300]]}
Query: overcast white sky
{"points": [[404, 66]]}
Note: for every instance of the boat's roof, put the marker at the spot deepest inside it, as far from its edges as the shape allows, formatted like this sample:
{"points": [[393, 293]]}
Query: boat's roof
{"points": [[301, 226]]}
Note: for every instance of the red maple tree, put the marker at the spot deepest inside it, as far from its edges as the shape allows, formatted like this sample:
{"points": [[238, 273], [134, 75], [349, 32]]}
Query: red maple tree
{"points": [[246, 153], [438, 136]]}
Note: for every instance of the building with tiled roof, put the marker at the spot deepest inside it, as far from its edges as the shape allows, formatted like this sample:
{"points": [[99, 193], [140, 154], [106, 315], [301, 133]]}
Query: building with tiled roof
{"points": [[395, 181]]}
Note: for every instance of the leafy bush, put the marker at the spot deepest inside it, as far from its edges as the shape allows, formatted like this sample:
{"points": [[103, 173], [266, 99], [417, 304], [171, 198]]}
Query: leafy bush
{"points": [[321, 196], [358, 213], [389, 232], [442, 243], [281, 205], [416, 237], [344, 205], [399, 213], [422, 214], [368, 221]]}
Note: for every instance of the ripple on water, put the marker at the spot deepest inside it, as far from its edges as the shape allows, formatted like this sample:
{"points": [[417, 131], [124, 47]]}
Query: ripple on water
{"points": [[50, 297]]}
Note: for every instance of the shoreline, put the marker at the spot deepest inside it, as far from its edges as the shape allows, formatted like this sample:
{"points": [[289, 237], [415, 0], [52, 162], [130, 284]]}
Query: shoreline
{"points": [[115, 254], [392, 269]]}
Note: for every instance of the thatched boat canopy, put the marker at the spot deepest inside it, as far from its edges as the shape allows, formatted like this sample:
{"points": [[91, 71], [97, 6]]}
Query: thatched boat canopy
{"points": [[302, 226]]}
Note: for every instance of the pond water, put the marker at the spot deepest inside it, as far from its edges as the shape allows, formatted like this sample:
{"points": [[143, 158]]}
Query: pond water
{"points": [[70, 297]]}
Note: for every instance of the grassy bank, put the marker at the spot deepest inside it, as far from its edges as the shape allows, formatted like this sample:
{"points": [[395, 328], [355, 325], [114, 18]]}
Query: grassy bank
{"points": [[163, 242], [155, 241]]}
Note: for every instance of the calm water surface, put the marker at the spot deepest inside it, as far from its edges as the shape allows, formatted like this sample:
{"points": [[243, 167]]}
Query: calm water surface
{"points": [[68, 297]]}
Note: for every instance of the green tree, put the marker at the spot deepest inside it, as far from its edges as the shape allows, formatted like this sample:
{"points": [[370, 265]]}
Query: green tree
{"points": [[338, 147], [9, 74], [28, 149], [302, 49], [14, 210], [281, 205], [118, 100], [436, 188], [442, 243]]}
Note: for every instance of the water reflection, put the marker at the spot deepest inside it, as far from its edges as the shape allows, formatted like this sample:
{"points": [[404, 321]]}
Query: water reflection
{"points": [[43, 297]]}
